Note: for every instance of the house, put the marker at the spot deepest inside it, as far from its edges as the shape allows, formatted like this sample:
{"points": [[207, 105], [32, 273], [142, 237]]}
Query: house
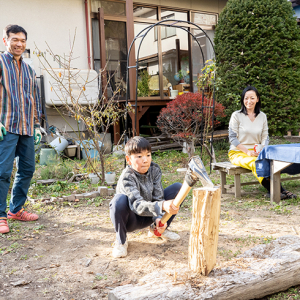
{"points": [[296, 8], [104, 32]]}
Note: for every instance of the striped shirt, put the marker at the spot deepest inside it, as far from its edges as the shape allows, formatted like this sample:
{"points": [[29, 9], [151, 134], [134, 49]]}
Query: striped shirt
{"points": [[20, 105]]}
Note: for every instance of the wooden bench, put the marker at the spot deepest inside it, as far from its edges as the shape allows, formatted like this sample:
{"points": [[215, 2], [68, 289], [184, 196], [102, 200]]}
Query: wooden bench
{"points": [[227, 168]]}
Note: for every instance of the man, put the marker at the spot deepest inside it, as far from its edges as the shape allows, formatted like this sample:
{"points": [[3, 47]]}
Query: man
{"points": [[20, 111]]}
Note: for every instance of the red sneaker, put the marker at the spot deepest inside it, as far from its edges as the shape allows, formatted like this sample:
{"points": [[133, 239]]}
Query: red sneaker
{"points": [[3, 225], [22, 215]]}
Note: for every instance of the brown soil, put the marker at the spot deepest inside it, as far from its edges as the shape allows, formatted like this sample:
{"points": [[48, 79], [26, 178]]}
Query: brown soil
{"points": [[66, 254]]}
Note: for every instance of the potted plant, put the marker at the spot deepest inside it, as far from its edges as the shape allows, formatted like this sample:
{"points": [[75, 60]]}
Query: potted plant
{"points": [[180, 75]]}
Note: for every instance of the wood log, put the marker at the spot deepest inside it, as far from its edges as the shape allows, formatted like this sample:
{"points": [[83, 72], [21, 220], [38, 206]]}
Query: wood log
{"points": [[205, 229], [166, 146], [260, 271]]}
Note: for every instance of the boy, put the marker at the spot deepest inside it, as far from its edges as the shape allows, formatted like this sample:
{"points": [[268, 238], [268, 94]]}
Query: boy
{"points": [[140, 199]]}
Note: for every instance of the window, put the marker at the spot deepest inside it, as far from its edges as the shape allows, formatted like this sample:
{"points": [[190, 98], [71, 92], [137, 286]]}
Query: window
{"points": [[166, 32], [109, 7]]}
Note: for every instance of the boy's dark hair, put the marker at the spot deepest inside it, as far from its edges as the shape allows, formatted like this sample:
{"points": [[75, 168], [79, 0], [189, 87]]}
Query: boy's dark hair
{"points": [[137, 144], [13, 29], [258, 104]]}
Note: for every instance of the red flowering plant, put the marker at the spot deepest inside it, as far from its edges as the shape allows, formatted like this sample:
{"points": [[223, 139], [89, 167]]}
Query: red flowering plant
{"points": [[182, 119]]}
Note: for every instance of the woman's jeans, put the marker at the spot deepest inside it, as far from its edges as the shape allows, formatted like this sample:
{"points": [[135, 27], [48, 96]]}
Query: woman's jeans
{"points": [[125, 220], [20, 147]]}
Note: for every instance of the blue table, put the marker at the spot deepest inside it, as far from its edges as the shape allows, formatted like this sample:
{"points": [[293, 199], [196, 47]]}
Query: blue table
{"points": [[276, 159]]}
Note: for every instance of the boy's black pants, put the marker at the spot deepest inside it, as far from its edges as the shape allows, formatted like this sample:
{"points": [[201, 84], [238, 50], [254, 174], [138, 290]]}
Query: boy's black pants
{"points": [[125, 220]]}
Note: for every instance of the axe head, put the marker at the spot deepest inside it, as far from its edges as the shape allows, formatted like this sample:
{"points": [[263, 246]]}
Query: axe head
{"points": [[196, 171]]}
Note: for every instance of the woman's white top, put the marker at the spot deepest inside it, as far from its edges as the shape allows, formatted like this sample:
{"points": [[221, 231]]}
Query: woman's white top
{"points": [[243, 131]]}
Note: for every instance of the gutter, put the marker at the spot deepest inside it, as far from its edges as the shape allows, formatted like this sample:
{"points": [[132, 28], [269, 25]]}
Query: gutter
{"points": [[87, 32]]}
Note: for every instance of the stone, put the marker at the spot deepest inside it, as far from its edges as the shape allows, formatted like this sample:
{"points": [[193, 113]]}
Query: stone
{"points": [[53, 199], [88, 262], [79, 196], [103, 190], [69, 198], [91, 195], [111, 192]]}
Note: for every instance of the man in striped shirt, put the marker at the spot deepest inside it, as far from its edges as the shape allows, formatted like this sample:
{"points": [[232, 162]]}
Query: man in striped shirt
{"points": [[20, 112]]}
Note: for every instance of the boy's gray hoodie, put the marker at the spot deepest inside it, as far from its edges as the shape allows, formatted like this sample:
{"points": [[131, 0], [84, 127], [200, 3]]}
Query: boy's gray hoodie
{"points": [[144, 191]]}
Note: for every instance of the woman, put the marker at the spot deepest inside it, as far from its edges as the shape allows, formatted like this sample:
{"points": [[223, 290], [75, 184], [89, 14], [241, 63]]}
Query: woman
{"points": [[248, 127]]}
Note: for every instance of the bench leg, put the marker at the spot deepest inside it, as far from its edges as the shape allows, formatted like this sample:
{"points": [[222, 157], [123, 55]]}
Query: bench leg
{"points": [[237, 185], [223, 182]]}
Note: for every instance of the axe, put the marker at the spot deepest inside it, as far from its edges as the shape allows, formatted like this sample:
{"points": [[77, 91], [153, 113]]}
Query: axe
{"points": [[196, 171]]}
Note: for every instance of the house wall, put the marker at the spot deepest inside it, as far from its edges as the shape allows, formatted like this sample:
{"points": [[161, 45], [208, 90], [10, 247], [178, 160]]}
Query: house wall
{"points": [[215, 6], [52, 21]]}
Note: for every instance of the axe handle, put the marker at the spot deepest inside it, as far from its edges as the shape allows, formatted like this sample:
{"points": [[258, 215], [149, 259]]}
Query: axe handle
{"points": [[177, 201]]}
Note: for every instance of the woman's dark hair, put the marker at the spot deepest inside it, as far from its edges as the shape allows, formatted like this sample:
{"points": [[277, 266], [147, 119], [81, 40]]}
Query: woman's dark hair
{"points": [[13, 29], [258, 104], [136, 145]]}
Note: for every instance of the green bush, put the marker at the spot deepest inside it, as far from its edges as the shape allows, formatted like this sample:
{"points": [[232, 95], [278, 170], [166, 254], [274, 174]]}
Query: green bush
{"points": [[55, 171], [258, 43]]}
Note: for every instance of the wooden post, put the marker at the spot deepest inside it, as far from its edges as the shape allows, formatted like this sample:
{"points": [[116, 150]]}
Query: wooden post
{"points": [[205, 229]]}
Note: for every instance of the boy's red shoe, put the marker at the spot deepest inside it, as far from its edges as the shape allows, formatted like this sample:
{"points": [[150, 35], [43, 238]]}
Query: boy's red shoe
{"points": [[22, 215], [3, 225]]}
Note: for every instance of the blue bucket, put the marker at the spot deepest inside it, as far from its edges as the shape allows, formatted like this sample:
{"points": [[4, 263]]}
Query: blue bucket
{"points": [[90, 149]]}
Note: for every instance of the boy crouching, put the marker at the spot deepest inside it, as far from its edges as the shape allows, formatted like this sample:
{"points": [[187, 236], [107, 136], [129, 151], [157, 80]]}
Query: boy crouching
{"points": [[140, 198]]}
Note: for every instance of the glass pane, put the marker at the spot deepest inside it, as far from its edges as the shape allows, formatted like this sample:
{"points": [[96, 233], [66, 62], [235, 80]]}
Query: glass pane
{"points": [[110, 7], [116, 54], [144, 12], [174, 15], [148, 79], [95, 36], [204, 19], [207, 50], [175, 60], [116, 72]]}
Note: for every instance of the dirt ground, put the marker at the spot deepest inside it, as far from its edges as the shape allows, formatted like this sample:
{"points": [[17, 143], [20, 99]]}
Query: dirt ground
{"points": [[66, 254]]}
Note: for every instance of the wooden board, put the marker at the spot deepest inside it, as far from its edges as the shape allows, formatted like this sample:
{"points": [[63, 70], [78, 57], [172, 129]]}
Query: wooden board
{"points": [[260, 271], [205, 229]]}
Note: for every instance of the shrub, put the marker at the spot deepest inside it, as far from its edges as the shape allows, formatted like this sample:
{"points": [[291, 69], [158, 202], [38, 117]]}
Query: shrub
{"points": [[182, 118], [257, 43]]}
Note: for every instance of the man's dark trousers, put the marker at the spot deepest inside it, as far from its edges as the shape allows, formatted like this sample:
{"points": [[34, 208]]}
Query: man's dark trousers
{"points": [[21, 147]]}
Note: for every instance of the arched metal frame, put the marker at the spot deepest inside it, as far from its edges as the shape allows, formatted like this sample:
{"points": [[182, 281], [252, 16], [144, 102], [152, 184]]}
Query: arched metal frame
{"points": [[142, 36]]}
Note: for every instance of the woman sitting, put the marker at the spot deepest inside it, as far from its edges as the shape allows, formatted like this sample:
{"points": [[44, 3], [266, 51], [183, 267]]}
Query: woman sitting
{"points": [[248, 127]]}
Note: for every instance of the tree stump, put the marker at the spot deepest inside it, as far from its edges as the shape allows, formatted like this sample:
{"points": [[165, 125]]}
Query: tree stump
{"points": [[205, 229]]}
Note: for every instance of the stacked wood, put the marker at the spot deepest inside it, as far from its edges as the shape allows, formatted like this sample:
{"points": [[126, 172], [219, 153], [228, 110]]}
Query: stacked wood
{"points": [[260, 271], [205, 229], [162, 143]]}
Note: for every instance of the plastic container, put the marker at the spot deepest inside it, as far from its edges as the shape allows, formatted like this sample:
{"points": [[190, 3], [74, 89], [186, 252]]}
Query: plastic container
{"points": [[174, 93], [94, 178], [90, 147], [110, 178], [47, 156], [70, 151], [59, 144]]}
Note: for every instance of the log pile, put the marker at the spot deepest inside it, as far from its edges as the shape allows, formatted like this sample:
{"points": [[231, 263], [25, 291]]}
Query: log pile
{"points": [[260, 271], [163, 143]]}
